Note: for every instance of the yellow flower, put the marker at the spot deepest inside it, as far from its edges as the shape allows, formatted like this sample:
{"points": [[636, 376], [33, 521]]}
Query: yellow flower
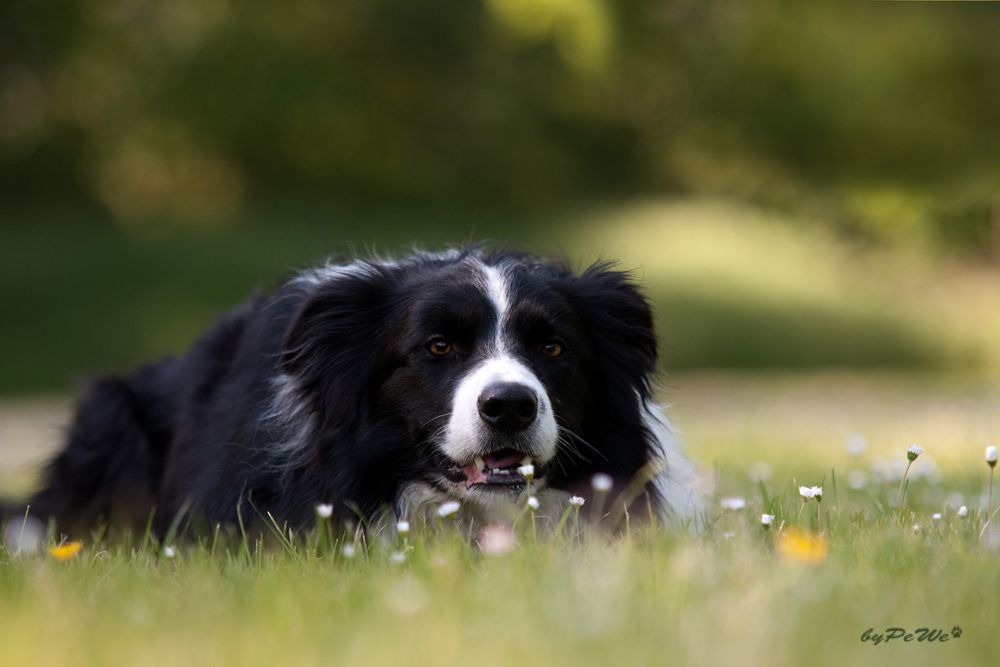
{"points": [[64, 552], [799, 546]]}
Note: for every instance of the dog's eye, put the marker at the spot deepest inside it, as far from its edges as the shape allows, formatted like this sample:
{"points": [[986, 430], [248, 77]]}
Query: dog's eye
{"points": [[552, 349], [439, 346]]}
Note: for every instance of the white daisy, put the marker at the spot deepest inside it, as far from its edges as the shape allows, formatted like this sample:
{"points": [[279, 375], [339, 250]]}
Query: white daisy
{"points": [[601, 482], [856, 445], [732, 503], [449, 508], [991, 456], [497, 540]]}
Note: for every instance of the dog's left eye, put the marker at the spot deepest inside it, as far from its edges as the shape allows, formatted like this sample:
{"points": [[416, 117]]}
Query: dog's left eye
{"points": [[439, 346], [552, 349]]}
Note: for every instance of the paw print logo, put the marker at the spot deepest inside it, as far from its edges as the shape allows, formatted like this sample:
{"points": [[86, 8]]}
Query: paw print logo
{"points": [[956, 632]]}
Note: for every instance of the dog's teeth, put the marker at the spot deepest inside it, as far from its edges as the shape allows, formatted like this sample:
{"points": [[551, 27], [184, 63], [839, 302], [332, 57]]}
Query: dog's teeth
{"points": [[496, 471], [527, 461], [503, 472], [480, 463]]}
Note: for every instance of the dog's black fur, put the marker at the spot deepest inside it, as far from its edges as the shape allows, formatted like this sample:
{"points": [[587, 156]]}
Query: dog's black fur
{"points": [[326, 392]]}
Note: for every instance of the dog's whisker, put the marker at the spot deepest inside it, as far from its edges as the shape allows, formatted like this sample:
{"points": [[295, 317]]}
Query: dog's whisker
{"points": [[582, 441], [568, 446], [432, 419]]}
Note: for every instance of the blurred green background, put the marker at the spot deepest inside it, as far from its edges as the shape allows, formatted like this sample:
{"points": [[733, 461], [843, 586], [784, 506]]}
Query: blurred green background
{"points": [[798, 185]]}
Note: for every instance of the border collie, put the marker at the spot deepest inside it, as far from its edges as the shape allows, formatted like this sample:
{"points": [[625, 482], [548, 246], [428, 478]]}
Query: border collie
{"points": [[385, 388]]}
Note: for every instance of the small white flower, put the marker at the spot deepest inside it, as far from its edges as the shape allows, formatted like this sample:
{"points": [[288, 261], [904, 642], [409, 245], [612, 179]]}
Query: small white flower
{"points": [[913, 451], [449, 508], [348, 550], [732, 503], [817, 492], [767, 520], [601, 482], [806, 492], [916, 528], [856, 479], [397, 558], [24, 535], [527, 471], [991, 456], [936, 516], [577, 501], [324, 510], [497, 540], [403, 527], [963, 511], [169, 552], [533, 503], [856, 445]]}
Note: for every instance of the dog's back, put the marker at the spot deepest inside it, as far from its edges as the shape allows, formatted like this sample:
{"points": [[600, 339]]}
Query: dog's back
{"points": [[113, 465]]}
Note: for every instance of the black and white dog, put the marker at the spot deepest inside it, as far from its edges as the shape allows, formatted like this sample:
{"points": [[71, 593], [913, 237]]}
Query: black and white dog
{"points": [[384, 388]]}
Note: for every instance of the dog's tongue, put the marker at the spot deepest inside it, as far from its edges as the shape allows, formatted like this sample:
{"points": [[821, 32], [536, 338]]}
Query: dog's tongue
{"points": [[508, 460], [473, 475]]}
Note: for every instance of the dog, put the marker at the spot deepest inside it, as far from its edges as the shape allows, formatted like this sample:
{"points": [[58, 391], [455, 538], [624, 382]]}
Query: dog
{"points": [[384, 388]]}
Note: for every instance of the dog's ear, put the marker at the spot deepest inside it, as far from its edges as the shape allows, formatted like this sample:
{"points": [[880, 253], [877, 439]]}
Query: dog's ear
{"points": [[333, 346], [620, 361], [618, 322]]}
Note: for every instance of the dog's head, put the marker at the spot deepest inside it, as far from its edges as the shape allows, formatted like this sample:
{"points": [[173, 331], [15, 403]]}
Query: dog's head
{"points": [[473, 365]]}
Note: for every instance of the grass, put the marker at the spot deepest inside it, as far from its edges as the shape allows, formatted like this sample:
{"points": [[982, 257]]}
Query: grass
{"points": [[660, 596], [724, 595]]}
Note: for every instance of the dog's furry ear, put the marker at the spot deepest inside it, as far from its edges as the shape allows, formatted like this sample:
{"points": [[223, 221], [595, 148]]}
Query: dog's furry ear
{"points": [[331, 347], [619, 322]]}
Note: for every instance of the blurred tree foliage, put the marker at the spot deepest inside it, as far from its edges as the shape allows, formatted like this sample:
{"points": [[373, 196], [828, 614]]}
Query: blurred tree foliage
{"points": [[189, 109]]}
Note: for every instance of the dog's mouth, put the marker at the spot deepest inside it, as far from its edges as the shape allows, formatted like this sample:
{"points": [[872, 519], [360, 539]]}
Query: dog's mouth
{"points": [[503, 469]]}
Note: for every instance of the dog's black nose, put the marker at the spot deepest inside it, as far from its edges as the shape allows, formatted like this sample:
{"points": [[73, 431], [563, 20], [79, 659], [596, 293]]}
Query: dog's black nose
{"points": [[508, 406]]}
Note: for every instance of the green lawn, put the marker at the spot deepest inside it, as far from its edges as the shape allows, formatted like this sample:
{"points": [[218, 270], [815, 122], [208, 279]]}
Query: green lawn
{"points": [[664, 596], [722, 597]]}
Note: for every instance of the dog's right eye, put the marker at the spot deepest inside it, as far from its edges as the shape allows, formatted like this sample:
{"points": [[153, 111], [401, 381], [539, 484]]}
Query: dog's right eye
{"points": [[439, 346]]}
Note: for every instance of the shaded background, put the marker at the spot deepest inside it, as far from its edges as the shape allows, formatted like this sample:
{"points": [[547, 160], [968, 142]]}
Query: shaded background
{"points": [[799, 185]]}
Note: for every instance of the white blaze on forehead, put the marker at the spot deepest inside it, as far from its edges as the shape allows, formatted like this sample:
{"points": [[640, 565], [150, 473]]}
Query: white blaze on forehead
{"points": [[466, 434], [497, 291]]}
